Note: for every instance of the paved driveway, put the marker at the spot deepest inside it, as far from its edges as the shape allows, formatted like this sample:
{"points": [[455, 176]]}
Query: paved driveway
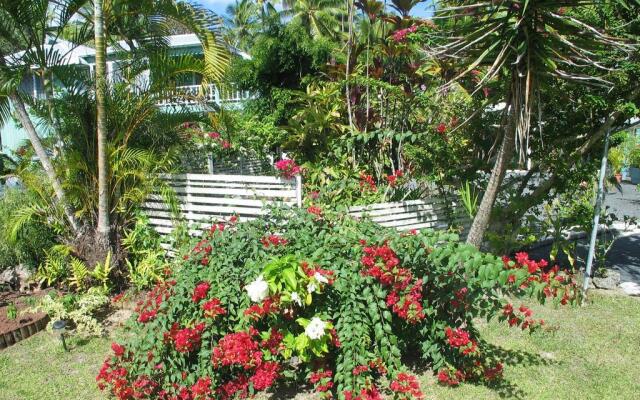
{"points": [[624, 255]]}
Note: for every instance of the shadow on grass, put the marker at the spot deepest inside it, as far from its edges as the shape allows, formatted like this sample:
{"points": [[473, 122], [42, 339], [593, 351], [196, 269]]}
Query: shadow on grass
{"points": [[503, 387], [73, 343], [288, 392]]}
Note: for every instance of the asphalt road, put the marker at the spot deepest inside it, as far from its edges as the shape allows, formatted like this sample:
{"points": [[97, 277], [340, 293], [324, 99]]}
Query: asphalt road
{"points": [[624, 255]]}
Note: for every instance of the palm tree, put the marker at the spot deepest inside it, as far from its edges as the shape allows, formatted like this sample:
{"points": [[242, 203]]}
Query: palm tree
{"points": [[28, 38], [101, 123], [526, 44], [26, 33], [404, 7], [242, 23], [320, 17]]}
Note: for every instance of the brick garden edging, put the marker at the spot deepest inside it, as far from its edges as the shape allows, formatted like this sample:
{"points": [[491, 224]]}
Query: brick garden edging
{"points": [[23, 332]]}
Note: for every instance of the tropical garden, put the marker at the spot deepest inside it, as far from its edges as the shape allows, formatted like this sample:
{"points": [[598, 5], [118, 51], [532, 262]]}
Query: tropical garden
{"points": [[518, 115]]}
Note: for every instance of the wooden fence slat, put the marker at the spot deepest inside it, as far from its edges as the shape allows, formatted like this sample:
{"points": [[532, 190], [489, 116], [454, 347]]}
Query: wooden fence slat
{"points": [[229, 178], [238, 192], [204, 198], [156, 201], [437, 207], [376, 206]]}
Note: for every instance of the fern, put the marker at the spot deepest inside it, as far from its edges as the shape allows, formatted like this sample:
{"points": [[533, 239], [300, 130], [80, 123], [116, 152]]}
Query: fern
{"points": [[53, 269], [79, 274], [102, 272]]}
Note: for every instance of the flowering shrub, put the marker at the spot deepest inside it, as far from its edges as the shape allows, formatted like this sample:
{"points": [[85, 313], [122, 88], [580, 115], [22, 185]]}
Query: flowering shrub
{"points": [[332, 302], [288, 168]]}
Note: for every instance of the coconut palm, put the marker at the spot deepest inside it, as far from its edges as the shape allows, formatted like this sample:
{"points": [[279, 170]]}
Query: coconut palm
{"points": [[320, 17], [28, 42], [101, 122], [242, 23], [526, 44], [27, 34]]}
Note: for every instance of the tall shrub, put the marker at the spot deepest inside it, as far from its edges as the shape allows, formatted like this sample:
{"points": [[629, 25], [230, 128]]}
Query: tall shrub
{"points": [[301, 296]]}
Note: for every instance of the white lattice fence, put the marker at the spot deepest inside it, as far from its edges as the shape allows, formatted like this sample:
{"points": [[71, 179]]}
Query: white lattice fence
{"points": [[434, 213], [204, 198]]}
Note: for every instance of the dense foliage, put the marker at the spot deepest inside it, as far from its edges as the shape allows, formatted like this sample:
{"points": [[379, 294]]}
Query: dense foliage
{"points": [[27, 246], [303, 296]]}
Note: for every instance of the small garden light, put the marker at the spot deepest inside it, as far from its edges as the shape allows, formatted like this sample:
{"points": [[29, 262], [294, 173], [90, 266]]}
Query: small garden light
{"points": [[59, 329]]}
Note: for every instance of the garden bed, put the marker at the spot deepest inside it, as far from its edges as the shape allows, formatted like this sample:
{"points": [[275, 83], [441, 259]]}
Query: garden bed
{"points": [[24, 325]]}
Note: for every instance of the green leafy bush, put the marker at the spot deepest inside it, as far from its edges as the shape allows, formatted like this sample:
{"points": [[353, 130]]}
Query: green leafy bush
{"points": [[339, 303], [146, 258], [634, 158], [79, 309], [32, 239]]}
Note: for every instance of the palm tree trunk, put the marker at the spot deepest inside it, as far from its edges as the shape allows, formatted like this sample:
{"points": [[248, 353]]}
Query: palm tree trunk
{"points": [[483, 216], [101, 124], [25, 120]]}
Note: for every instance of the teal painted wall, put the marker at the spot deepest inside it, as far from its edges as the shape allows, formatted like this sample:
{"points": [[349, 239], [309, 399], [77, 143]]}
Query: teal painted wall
{"points": [[12, 137]]}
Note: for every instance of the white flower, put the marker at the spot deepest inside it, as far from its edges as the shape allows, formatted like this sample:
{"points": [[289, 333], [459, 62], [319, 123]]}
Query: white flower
{"points": [[320, 278], [295, 297], [315, 329], [258, 290], [311, 287]]}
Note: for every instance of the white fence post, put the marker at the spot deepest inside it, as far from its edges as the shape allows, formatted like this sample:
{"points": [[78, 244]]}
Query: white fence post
{"points": [[299, 190]]}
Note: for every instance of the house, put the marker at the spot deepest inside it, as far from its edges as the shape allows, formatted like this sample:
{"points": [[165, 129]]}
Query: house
{"points": [[12, 136]]}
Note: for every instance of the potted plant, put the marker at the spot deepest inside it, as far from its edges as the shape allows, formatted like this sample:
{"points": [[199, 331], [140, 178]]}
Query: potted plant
{"points": [[634, 166], [616, 160]]}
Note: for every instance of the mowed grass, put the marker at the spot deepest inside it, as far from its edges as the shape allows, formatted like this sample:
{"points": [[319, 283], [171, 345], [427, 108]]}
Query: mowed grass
{"points": [[590, 352], [38, 368]]}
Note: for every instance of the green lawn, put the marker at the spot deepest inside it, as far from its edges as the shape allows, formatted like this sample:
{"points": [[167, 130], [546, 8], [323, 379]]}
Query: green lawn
{"points": [[591, 352]]}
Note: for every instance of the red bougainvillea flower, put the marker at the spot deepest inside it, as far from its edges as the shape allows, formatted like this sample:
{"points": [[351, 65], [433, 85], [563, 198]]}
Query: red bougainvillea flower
{"points": [[315, 210], [116, 299], [201, 390], [236, 388], [360, 369], [274, 342], [367, 184], [147, 316], [187, 339], [401, 34], [265, 375], [450, 378], [392, 179], [213, 308], [406, 386], [322, 381], [237, 349], [154, 299], [273, 240], [494, 372], [369, 393], [214, 135], [288, 168], [459, 338], [441, 128], [200, 291], [268, 306], [118, 350]]}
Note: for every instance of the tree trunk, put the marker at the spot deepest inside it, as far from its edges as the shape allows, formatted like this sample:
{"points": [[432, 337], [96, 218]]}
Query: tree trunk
{"points": [[25, 120], [101, 124], [483, 216]]}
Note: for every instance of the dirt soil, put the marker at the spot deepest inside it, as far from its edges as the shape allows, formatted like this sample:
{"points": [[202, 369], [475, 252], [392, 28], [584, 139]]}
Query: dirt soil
{"points": [[20, 300]]}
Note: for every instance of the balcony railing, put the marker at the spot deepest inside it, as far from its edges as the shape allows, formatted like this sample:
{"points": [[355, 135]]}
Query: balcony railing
{"points": [[195, 95]]}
